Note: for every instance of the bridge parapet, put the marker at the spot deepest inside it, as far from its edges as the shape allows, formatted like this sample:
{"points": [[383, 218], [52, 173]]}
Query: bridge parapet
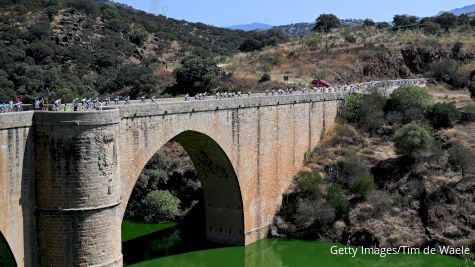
{"points": [[212, 104]]}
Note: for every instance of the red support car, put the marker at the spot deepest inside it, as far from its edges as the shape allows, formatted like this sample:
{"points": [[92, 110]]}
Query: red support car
{"points": [[320, 83]]}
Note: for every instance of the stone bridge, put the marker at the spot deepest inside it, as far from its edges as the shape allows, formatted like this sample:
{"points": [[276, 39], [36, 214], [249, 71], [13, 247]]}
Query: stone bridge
{"points": [[66, 177]]}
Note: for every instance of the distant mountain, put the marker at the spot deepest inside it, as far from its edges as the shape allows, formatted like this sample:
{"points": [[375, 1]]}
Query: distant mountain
{"points": [[251, 27], [459, 11]]}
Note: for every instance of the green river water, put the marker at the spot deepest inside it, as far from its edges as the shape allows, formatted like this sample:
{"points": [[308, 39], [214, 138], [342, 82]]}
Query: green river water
{"points": [[167, 245]]}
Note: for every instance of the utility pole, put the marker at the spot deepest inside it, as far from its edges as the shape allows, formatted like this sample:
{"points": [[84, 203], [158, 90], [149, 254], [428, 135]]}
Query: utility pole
{"points": [[164, 10], [154, 7]]}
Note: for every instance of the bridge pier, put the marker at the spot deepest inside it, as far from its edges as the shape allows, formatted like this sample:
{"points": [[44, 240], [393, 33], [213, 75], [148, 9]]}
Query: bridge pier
{"points": [[78, 192]]}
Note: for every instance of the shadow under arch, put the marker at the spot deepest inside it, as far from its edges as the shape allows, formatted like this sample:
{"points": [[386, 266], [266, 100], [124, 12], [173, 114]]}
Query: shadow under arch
{"points": [[6, 255], [223, 205]]}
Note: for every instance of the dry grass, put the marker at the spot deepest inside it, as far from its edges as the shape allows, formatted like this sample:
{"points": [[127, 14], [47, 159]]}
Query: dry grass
{"points": [[343, 62], [440, 93]]}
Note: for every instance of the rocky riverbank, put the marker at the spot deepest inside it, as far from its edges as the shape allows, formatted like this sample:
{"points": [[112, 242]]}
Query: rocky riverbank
{"points": [[427, 200]]}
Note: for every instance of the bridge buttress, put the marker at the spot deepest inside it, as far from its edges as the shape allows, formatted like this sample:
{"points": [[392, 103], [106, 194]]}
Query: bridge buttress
{"points": [[78, 192]]}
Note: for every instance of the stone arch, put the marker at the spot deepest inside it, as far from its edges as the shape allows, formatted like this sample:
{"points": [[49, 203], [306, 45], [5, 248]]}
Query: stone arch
{"points": [[6, 254], [221, 190]]}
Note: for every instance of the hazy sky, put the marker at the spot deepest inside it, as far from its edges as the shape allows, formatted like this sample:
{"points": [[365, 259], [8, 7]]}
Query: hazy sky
{"points": [[279, 12]]}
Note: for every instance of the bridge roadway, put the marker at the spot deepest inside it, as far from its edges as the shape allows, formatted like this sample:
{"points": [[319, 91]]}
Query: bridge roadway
{"points": [[66, 177]]}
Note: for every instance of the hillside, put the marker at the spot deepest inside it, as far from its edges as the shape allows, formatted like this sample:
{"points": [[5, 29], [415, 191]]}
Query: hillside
{"points": [[87, 48], [303, 28], [359, 54]]}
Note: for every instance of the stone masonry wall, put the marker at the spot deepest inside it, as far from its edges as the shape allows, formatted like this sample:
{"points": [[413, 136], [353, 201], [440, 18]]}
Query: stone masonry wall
{"points": [[265, 140], [17, 202], [65, 178], [77, 189]]}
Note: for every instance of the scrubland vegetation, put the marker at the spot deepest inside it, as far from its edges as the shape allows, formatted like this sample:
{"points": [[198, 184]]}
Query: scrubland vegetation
{"points": [[396, 171]]}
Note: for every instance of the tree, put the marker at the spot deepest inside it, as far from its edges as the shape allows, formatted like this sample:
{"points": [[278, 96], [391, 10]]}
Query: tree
{"points": [[161, 206], [442, 115], [369, 23], [197, 74], [259, 40], [412, 138], [403, 21], [463, 19], [326, 22], [8, 88], [446, 20]]}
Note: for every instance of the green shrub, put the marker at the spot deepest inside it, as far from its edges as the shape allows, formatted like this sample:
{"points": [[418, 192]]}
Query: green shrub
{"points": [[346, 135], [442, 115], [337, 200], [380, 200], [138, 36], [461, 159], [363, 185], [350, 167], [410, 96], [471, 88], [445, 70], [468, 112], [367, 111], [411, 138], [197, 74], [372, 113], [308, 184], [352, 106], [431, 27], [382, 25], [350, 39], [161, 206]]}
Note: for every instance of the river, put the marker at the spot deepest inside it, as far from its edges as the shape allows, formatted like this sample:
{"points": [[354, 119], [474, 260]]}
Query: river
{"points": [[167, 245]]}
